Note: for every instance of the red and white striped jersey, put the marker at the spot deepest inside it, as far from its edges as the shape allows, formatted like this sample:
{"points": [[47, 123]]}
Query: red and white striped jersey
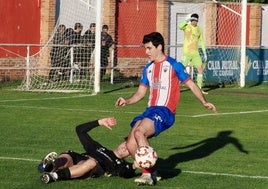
{"points": [[163, 79]]}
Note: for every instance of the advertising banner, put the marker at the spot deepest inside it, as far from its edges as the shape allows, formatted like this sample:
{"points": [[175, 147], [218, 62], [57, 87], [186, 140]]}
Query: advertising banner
{"points": [[224, 65]]}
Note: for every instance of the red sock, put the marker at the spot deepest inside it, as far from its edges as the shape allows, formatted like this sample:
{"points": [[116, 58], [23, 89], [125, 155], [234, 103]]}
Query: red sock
{"points": [[150, 170]]}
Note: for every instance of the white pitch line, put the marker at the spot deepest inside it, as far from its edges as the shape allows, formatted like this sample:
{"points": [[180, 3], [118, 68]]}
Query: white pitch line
{"points": [[130, 112], [231, 113], [66, 109], [39, 99], [225, 174], [19, 159], [55, 108], [191, 172], [54, 98]]}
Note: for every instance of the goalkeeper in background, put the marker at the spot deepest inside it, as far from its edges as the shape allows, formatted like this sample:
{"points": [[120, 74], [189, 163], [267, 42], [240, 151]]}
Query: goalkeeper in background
{"points": [[193, 36]]}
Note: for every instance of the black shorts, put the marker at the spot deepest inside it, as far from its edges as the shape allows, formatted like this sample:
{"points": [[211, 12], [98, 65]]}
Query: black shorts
{"points": [[76, 156], [95, 172]]}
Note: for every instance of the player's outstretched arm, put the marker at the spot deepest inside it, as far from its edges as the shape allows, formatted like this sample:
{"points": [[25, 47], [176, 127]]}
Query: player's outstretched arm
{"points": [[136, 97], [120, 102], [182, 25], [198, 93], [211, 107], [108, 122]]}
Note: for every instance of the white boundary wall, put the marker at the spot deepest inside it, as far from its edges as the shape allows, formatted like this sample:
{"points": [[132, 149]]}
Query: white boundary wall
{"points": [[264, 35]]}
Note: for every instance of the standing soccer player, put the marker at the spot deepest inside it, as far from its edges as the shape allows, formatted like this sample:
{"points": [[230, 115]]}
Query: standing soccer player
{"points": [[162, 76], [193, 36]]}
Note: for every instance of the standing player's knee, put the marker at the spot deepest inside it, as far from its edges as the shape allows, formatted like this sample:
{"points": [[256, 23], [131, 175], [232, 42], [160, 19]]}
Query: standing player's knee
{"points": [[132, 149], [138, 135]]}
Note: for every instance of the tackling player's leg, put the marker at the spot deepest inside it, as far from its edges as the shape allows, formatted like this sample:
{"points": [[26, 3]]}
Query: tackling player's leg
{"points": [[46, 163]]}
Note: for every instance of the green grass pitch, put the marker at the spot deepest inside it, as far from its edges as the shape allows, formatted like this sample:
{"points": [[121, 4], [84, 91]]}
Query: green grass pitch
{"points": [[201, 150]]}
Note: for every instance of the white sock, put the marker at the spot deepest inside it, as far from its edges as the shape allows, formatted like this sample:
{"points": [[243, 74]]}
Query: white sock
{"points": [[54, 175]]}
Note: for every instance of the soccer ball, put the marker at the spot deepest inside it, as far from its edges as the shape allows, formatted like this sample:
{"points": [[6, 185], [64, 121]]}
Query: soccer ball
{"points": [[145, 156]]}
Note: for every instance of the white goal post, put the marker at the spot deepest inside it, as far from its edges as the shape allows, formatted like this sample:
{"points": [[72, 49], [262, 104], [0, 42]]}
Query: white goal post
{"points": [[243, 43], [98, 46], [243, 16]]}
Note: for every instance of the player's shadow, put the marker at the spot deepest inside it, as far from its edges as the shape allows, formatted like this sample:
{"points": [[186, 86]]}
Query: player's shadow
{"points": [[206, 88], [198, 150]]}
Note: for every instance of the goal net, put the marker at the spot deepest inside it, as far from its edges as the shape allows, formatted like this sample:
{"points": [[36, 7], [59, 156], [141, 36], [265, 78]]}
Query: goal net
{"points": [[65, 63], [224, 26]]}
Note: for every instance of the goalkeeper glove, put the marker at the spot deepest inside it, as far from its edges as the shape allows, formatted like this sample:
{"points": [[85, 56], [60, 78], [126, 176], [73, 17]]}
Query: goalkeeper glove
{"points": [[205, 58], [188, 18]]}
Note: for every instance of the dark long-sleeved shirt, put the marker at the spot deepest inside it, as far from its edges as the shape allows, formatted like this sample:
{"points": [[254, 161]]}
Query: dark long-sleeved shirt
{"points": [[105, 157]]}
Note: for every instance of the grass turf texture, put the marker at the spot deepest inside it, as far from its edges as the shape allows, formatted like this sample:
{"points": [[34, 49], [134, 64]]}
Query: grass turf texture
{"points": [[192, 153]]}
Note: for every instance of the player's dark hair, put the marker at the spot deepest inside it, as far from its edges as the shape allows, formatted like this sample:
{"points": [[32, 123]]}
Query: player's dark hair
{"points": [[69, 32], [195, 16], [92, 25], [156, 38], [61, 26], [77, 25], [105, 27]]}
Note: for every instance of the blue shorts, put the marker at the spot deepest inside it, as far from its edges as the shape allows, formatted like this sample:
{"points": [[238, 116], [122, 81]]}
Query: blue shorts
{"points": [[163, 118]]}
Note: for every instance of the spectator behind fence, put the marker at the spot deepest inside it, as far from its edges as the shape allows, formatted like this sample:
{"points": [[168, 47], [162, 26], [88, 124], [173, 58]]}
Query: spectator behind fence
{"points": [[56, 53], [106, 44], [66, 64], [89, 45], [77, 41]]}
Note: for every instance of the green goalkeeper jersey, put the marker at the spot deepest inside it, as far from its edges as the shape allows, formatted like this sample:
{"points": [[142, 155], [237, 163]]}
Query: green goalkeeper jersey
{"points": [[193, 36]]}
